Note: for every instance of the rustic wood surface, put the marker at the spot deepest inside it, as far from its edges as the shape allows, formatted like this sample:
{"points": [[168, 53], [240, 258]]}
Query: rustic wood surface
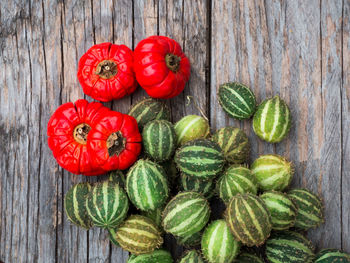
{"points": [[298, 49]]}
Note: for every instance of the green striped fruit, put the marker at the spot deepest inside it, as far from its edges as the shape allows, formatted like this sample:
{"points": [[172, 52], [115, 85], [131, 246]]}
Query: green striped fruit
{"points": [[202, 158], [234, 144], [282, 209], [272, 120], [192, 256], [191, 127], [289, 247], [236, 179], [139, 235], [186, 214], [248, 258], [107, 204], [117, 177], [148, 110], [332, 256], [159, 140], [273, 172], [112, 236], [218, 244], [155, 215], [248, 219], [74, 205], [190, 240], [170, 171], [191, 183], [157, 256], [146, 185], [237, 100], [310, 209]]}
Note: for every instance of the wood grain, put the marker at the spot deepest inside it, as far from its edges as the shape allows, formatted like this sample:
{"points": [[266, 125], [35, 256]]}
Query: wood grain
{"points": [[298, 49], [286, 48], [345, 96], [187, 23]]}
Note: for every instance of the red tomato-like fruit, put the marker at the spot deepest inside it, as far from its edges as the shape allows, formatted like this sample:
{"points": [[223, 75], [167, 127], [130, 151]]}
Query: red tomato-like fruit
{"points": [[115, 141], [67, 132], [161, 68], [106, 72], [90, 139]]}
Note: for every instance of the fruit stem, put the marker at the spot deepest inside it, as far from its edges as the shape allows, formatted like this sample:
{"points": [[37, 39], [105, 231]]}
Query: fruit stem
{"points": [[172, 62], [189, 99], [115, 143], [80, 133], [106, 69]]}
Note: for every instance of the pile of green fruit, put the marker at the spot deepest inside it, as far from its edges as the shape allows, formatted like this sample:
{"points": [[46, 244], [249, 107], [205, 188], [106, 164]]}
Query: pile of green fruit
{"points": [[183, 167]]}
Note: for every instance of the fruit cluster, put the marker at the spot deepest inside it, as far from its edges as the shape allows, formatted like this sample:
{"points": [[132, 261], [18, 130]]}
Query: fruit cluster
{"points": [[90, 139], [183, 163], [170, 185]]}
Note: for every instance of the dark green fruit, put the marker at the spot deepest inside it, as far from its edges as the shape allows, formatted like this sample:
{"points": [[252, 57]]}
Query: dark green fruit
{"points": [[273, 172], [170, 171], [282, 210], [186, 214], [202, 158], [159, 140], [192, 256], [190, 240], [148, 110], [155, 215], [75, 205], [157, 256], [249, 219], [332, 256], [235, 180], [310, 210], [191, 127], [289, 247], [112, 236], [234, 144], [218, 244], [272, 120], [237, 100], [139, 235], [107, 204], [146, 185], [191, 183], [118, 177]]}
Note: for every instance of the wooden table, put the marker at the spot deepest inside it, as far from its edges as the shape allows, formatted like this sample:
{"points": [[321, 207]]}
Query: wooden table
{"points": [[298, 49]]}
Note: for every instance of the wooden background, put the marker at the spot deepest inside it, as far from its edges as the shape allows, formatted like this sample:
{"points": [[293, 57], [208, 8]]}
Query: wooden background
{"points": [[298, 49]]}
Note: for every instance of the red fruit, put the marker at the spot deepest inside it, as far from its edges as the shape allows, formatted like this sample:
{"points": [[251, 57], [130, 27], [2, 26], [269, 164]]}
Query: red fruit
{"points": [[115, 141], [90, 139], [67, 132], [161, 68], [106, 72]]}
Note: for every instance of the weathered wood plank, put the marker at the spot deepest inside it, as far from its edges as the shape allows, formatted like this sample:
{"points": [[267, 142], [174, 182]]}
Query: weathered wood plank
{"points": [[76, 24], [27, 100], [50, 94], [300, 67], [346, 127], [275, 47], [122, 16], [240, 52], [329, 179], [103, 31], [145, 25], [187, 23], [14, 141], [102, 26]]}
